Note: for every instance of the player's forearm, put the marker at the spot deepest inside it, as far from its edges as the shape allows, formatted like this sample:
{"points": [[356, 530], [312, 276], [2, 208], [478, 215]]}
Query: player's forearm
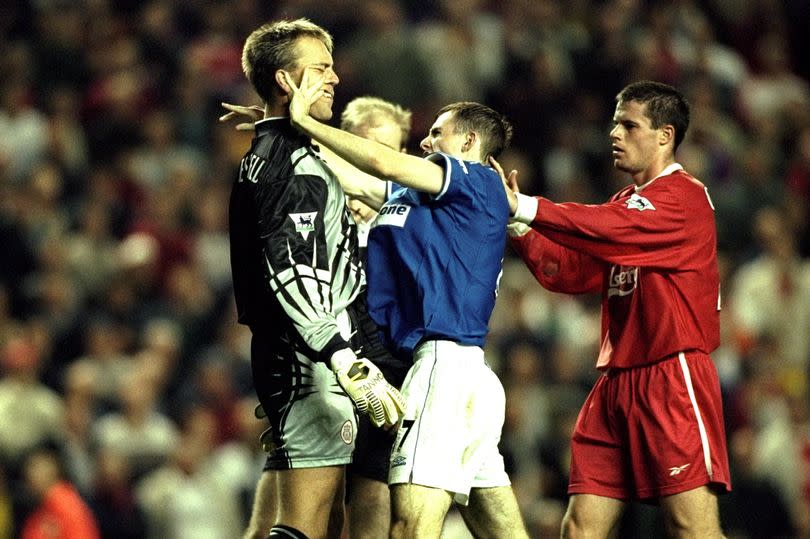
{"points": [[368, 156], [608, 231], [556, 267], [302, 292], [376, 159], [356, 183]]}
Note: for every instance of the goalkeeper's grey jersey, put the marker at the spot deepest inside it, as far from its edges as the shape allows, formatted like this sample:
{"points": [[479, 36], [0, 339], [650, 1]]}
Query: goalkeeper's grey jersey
{"points": [[294, 251]]}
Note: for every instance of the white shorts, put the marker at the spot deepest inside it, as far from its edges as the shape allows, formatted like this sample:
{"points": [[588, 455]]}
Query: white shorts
{"points": [[454, 415]]}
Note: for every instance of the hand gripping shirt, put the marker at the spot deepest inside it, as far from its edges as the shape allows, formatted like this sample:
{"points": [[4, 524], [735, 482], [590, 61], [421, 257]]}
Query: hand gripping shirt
{"points": [[434, 260], [294, 252], [652, 253]]}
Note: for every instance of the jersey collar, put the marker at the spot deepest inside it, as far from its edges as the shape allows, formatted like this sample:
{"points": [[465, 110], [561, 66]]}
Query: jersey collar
{"points": [[276, 123], [666, 172]]}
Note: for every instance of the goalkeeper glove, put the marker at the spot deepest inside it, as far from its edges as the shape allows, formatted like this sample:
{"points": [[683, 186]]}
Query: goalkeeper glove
{"points": [[367, 387]]}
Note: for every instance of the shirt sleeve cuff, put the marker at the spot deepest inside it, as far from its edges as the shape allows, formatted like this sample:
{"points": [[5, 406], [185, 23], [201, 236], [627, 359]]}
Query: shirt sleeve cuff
{"points": [[335, 343], [526, 209]]}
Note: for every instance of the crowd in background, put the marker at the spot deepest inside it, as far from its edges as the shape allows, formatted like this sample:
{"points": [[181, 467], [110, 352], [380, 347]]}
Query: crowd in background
{"points": [[123, 370]]}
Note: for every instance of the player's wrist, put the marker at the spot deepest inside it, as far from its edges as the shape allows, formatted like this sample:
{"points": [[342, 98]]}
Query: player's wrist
{"points": [[342, 359], [526, 209], [306, 123]]}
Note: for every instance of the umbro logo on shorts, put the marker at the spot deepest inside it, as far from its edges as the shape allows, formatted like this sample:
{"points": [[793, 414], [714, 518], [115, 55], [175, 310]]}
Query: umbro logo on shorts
{"points": [[399, 460], [675, 470]]}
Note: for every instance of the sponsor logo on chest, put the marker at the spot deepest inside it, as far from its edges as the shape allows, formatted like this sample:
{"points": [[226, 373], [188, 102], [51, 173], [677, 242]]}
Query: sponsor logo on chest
{"points": [[393, 215], [623, 281]]}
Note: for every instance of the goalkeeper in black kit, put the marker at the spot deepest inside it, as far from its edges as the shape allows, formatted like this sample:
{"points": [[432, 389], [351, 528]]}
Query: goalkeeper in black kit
{"points": [[297, 282]]}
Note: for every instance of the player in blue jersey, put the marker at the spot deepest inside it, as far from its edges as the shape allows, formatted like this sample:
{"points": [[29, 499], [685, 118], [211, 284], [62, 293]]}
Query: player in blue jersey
{"points": [[435, 255]]}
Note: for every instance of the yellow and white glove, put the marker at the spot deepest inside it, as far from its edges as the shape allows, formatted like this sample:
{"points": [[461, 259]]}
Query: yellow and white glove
{"points": [[367, 387]]}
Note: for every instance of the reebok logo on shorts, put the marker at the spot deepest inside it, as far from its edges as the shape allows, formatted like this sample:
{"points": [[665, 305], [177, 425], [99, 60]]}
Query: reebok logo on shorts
{"points": [[675, 470]]}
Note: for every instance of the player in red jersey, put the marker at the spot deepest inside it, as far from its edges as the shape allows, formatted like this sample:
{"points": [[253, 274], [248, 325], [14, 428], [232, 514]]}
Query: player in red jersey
{"points": [[652, 426]]}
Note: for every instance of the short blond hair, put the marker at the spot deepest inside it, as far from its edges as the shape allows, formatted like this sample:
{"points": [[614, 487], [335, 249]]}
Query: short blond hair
{"points": [[272, 47], [364, 112]]}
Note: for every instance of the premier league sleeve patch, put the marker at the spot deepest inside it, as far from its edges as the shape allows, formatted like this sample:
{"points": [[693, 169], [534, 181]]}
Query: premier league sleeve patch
{"points": [[304, 222], [638, 202]]}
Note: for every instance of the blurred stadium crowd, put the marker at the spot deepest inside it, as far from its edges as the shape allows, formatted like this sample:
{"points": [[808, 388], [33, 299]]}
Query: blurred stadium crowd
{"points": [[121, 360]]}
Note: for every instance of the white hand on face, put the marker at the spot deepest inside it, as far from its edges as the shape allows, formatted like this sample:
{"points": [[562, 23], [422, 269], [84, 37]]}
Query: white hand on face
{"points": [[312, 54], [303, 96]]}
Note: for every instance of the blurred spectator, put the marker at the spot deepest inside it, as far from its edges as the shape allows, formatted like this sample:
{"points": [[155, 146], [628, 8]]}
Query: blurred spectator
{"points": [[113, 500], [30, 413], [78, 449], [383, 59], [139, 431], [756, 507], [23, 127], [797, 179], [212, 386], [6, 508], [189, 497], [160, 154], [210, 247], [772, 90], [770, 295], [466, 49], [60, 513], [91, 248], [104, 360], [67, 144]]}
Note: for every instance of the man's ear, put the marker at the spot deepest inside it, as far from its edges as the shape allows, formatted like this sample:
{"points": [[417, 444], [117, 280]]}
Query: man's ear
{"points": [[469, 141], [666, 135], [282, 81]]}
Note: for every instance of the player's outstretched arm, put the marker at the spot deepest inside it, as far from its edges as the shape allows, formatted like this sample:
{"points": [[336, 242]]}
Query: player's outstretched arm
{"points": [[356, 183], [369, 156]]}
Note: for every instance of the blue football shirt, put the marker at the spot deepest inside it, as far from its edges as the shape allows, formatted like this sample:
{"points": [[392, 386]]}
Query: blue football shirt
{"points": [[434, 261]]}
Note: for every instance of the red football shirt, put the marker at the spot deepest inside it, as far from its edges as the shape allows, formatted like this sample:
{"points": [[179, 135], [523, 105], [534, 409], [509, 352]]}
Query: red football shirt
{"points": [[61, 515], [652, 253]]}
